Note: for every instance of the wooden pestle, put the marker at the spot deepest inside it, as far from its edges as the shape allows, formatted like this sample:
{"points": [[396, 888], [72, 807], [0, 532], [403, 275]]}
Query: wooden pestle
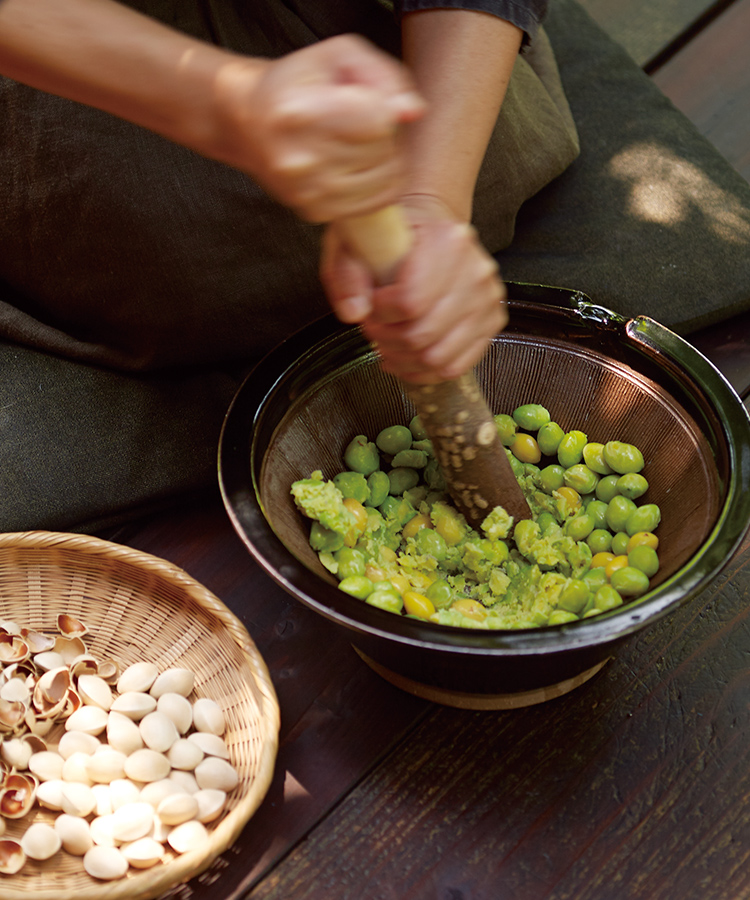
{"points": [[453, 413]]}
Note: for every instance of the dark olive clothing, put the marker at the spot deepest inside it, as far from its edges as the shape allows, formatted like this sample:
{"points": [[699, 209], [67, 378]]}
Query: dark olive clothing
{"points": [[135, 253], [138, 280]]}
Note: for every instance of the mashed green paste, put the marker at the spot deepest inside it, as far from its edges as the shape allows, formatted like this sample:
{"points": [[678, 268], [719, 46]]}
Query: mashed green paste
{"points": [[388, 531]]}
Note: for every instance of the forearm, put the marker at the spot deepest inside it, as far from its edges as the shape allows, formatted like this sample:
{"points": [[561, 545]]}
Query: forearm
{"points": [[103, 54], [462, 61]]}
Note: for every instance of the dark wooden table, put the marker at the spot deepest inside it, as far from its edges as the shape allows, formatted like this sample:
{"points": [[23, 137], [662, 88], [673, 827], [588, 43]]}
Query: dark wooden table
{"points": [[634, 785]]}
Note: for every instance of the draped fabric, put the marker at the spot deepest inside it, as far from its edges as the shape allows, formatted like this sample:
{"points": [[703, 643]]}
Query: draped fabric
{"points": [[140, 281]]}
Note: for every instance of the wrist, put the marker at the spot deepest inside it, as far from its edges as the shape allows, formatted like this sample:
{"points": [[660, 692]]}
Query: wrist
{"points": [[424, 206], [213, 104]]}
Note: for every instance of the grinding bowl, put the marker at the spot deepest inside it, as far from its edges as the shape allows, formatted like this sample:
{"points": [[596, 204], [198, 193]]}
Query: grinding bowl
{"points": [[615, 379]]}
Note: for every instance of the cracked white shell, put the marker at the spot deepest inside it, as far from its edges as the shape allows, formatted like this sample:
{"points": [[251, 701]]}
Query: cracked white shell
{"points": [[105, 863], [48, 659], [158, 731], [132, 821], [178, 708], [216, 773], [208, 716], [134, 704], [75, 834], [173, 681], [138, 677], [143, 853], [12, 857], [147, 765], [16, 752], [40, 841]]}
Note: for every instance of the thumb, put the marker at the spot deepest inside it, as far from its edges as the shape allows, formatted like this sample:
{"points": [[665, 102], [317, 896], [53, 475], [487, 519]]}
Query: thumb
{"points": [[347, 281]]}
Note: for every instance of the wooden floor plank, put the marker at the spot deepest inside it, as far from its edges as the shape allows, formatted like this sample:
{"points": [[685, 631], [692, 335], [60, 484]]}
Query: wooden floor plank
{"points": [[645, 28], [326, 742], [709, 80], [727, 345], [632, 786]]}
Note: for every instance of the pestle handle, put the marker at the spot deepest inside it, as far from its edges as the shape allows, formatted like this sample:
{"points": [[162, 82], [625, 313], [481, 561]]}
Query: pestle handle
{"points": [[453, 413]]}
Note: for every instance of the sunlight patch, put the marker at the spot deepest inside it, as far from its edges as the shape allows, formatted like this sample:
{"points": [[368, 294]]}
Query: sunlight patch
{"points": [[665, 189]]}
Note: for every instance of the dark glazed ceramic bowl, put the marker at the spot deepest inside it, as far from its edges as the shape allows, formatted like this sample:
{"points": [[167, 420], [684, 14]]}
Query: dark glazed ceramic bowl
{"points": [[615, 379]]}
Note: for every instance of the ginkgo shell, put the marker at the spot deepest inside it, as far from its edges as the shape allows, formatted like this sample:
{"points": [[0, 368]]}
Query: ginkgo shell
{"points": [[143, 853], [178, 708], [138, 677], [134, 704], [173, 681], [216, 773], [158, 731], [88, 719], [147, 765], [40, 841], [75, 834], [12, 857], [189, 836], [208, 716], [132, 821], [105, 863], [177, 808]]}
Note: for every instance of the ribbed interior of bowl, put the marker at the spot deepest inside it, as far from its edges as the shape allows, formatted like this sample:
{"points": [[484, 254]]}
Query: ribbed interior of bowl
{"points": [[582, 388]]}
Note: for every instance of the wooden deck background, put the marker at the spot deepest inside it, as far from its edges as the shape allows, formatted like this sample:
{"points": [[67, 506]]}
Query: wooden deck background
{"points": [[697, 52]]}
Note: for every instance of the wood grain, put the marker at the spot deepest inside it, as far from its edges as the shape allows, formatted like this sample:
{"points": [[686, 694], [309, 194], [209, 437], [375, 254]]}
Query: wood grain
{"points": [[633, 786], [709, 80], [727, 345], [645, 28], [338, 718]]}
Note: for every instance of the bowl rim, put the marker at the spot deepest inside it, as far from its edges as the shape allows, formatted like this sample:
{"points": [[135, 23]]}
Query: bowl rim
{"points": [[271, 375]]}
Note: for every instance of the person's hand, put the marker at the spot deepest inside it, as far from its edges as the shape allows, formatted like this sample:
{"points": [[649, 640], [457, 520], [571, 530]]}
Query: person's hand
{"points": [[319, 128], [434, 322]]}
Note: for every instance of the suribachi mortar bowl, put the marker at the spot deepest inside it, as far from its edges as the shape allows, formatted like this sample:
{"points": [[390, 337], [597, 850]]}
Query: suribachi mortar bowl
{"points": [[616, 379]]}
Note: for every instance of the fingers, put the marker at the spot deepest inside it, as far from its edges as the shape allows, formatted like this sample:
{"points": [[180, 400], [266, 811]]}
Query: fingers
{"points": [[449, 301], [347, 282], [338, 154], [320, 127], [357, 61]]}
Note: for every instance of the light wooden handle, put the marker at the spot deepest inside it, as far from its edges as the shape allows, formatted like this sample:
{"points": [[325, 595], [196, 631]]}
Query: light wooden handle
{"points": [[454, 413], [380, 239]]}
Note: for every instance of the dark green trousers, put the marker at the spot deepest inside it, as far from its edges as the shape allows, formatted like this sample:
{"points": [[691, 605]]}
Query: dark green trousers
{"points": [[139, 281]]}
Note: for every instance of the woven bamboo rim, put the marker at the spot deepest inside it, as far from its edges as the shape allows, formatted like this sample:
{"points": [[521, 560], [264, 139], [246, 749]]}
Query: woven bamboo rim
{"points": [[127, 597]]}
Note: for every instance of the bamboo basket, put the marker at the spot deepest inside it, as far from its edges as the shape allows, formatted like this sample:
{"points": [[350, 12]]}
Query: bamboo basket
{"points": [[138, 607]]}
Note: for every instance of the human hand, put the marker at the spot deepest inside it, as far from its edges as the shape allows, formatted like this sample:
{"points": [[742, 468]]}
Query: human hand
{"points": [[319, 128], [434, 322]]}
